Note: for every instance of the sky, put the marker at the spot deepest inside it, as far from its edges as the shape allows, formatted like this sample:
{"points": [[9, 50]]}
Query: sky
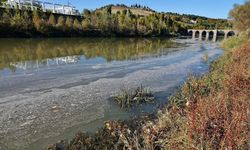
{"points": [[208, 8]]}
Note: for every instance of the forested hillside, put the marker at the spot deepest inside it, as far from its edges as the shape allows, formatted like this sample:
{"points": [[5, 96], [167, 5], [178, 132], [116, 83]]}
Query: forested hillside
{"points": [[111, 20]]}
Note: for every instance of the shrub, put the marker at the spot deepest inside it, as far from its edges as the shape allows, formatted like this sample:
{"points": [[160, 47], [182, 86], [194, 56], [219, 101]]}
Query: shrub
{"points": [[221, 120]]}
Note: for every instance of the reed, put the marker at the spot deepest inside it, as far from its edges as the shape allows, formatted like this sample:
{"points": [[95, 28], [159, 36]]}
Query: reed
{"points": [[130, 97]]}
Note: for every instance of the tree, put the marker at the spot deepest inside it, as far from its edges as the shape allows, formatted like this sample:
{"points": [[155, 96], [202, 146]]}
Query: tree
{"points": [[36, 20], [76, 25], [69, 22], [27, 24], [17, 19], [1, 1], [86, 24], [6, 16], [60, 21], [240, 16], [86, 13], [124, 22], [109, 10], [52, 20], [124, 12]]}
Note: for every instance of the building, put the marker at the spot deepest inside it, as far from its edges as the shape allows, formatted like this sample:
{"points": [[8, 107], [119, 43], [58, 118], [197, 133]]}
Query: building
{"points": [[193, 21], [67, 9]]}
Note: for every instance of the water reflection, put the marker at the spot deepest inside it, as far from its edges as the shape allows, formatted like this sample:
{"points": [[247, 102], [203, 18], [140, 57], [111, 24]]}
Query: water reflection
{"points": [[35, 53]]}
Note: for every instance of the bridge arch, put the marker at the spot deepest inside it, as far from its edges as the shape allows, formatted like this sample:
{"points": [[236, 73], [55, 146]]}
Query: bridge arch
{"points": [[190, 32], [196, 34], [230, 33], [210, 35], [203, 34], [221, 33]]}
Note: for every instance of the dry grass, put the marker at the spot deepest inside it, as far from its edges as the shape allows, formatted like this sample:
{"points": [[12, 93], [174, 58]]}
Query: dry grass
{"points": [[212, 112], [135, 11], [221, 120]]}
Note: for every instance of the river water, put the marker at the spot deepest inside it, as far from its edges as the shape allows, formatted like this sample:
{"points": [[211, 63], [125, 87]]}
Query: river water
{"points": [[52, 88]]}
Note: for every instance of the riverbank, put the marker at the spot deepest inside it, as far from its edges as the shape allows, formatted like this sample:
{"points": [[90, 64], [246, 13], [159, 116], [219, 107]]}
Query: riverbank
{"points": [[208, 112], [53, 88]]}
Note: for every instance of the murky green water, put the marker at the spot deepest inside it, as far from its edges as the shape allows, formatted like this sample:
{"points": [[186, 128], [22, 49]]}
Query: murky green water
{"points": [[78, 76], [16, 53]]}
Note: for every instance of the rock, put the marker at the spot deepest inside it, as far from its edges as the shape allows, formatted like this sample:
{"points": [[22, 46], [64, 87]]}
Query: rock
{"points": [[26, 123], [32, 117], [73, 105], [55, 108]]}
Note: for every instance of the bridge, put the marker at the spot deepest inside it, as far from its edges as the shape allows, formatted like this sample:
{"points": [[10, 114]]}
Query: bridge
{"points": [[211, 34]]}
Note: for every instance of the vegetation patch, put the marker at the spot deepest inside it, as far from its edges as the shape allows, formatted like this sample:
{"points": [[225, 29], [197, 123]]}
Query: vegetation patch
{"points": [[131, 97]]}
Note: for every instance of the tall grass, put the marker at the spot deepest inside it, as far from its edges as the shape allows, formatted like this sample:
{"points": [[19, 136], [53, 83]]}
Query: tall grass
{"points": [[130, 97], [221, 120], [235, 42], [213, 111]]}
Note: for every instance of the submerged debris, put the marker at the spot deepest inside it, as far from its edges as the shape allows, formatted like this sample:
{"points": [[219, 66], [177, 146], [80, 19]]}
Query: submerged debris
{"points": [[55, 108], [129, 97], [205, 57]]}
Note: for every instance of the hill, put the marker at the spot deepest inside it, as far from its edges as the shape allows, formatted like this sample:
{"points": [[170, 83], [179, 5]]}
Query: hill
{"points": [[190, 20], [110, 20], [135, 9]]}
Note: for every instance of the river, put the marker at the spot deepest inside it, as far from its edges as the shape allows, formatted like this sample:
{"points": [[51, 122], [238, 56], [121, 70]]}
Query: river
{"points": [[52, 88]]}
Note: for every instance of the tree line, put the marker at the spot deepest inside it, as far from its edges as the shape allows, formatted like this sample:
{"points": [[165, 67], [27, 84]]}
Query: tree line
{"points": [[27, 23]]}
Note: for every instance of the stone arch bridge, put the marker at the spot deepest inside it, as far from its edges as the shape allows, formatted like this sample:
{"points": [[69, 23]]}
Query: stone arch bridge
{"points": [[213, 34]]}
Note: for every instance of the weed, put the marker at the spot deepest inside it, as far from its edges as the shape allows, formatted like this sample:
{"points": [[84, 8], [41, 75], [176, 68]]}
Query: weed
{"points": [[205, 57], [130, 97]]}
